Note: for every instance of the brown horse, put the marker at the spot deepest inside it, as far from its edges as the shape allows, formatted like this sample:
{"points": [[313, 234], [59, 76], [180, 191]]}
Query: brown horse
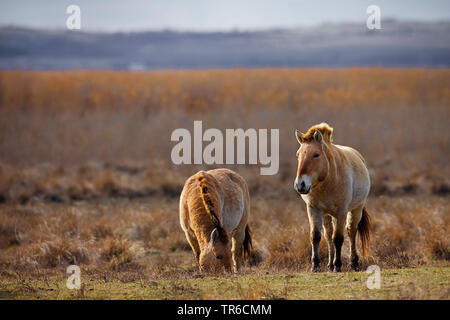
{"points": [[214, 210], [334, 182]]}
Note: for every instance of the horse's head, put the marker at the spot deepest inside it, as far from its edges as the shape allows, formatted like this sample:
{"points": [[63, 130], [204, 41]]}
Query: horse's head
{"points": [[313, 163], [216, 256]]}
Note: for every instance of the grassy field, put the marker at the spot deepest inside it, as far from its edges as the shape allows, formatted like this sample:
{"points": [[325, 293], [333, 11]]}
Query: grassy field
{"points": [[419, 283], [86, 179]]}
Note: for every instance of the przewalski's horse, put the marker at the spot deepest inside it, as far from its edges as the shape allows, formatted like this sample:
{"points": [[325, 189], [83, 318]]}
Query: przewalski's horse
{"points": [[334, 182], [214, 210]]}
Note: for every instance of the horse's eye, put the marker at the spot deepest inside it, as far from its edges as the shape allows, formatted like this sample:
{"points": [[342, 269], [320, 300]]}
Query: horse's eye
{"points": [[218, 257], [316, 155]]}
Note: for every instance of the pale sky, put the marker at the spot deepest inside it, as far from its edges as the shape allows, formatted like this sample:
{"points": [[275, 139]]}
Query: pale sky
{"points": [[211, 15]]}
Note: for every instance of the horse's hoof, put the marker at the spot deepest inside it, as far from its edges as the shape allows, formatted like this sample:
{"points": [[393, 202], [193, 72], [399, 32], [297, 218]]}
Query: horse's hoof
{"points": [[315, 268], [337, 269], [356, 267], [330, 268], [355, 264]]}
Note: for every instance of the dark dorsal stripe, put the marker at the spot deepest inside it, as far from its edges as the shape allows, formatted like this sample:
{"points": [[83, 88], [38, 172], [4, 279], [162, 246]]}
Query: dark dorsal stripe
{"points": [[207, 202]]}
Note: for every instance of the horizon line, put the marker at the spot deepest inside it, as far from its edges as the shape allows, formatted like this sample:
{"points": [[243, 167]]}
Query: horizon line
{"points": [[223, 30]]}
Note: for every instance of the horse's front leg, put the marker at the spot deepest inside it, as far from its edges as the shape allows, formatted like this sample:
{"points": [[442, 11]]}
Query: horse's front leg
{"points": [[328, 231], [190, 236], [338, 239], [315, 222], [237, 242]]}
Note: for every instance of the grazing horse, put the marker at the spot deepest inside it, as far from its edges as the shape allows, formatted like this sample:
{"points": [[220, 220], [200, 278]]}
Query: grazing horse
{"points": [[214, 207], [334, 182]]}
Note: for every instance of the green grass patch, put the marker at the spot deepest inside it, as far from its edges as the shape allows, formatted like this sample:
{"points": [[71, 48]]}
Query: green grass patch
{"points": [[417, 283]]}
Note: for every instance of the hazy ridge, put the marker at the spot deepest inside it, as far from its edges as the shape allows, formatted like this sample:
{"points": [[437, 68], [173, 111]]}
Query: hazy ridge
{"points": [[398, 44]]}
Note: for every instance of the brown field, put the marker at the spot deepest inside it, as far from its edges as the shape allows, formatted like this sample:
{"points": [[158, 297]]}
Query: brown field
{"points": [[86, 176]]}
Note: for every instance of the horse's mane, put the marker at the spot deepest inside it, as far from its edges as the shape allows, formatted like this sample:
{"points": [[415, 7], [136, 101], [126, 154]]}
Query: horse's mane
{"points": [[209, 207], [325, 130]]}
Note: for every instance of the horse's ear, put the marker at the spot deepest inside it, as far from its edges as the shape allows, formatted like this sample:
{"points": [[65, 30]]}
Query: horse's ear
{"points": [[318, 136], [299, 136], [214, 237]]}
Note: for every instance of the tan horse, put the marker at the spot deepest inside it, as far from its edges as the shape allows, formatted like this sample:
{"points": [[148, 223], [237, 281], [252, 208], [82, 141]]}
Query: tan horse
{"points": [[214, 207], [334, 182]]}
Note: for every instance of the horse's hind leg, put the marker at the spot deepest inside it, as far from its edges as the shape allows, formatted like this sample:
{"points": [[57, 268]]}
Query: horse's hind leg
{"points": [[328, 231], [353, 219]]}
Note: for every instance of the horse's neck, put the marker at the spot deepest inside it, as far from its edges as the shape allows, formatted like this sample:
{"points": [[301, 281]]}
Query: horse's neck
{"points": [[333, 156]]}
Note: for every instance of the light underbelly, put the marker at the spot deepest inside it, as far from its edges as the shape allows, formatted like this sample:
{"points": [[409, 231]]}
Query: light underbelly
{"points": [[359, 197], [232, 216]]}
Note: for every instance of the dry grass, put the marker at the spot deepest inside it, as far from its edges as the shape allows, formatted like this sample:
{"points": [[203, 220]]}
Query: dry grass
{"points": [[88, 134], [353, 88], [141, 238], [86, 178]]}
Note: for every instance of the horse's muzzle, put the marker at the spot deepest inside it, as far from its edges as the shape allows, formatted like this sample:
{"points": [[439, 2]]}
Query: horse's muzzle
{"points": [[301, 187]]}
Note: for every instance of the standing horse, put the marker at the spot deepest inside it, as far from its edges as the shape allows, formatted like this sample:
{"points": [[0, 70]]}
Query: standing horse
{"points": [[334, 182], [214, 207]]}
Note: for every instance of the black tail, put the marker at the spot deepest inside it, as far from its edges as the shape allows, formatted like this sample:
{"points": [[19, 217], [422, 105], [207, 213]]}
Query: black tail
{"points": [[247, 242], [364, 229]]}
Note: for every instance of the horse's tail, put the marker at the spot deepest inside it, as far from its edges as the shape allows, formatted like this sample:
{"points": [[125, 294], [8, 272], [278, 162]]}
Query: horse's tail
{"points": [[247, 242], [207, 201], [364, 229]]}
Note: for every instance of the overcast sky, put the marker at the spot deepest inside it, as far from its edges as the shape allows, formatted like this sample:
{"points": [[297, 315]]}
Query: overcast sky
{"points": [[210, 15]]}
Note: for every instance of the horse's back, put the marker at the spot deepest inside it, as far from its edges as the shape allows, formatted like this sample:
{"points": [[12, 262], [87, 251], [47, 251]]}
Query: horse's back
{"points": [[235, 197], [230, 182], [192, 207]]}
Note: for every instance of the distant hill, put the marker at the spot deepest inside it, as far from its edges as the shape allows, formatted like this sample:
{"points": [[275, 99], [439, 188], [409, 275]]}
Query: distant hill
{"points": [[400, 44]]}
